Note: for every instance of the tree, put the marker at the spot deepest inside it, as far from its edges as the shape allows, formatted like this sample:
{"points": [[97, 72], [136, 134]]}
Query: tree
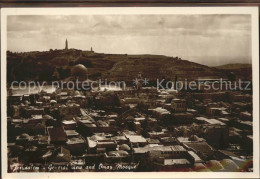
{"points": [[84, 61]]}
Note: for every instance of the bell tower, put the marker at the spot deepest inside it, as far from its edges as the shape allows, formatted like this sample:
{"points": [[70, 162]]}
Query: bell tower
{"points": [[66, 44]]}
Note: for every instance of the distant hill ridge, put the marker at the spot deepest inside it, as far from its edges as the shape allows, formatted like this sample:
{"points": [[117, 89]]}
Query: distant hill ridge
{"points": [[235, 66], [240, 70]]}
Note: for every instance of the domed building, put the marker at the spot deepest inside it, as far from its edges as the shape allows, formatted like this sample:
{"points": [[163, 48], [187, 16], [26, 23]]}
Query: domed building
{"points": [[124, 147], [24, 136], [79, 72], [229, 165], [194, 138], [199, 167], [214, 165]]}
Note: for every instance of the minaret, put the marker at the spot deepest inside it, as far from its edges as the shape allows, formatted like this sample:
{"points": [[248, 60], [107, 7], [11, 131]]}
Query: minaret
{"points": [[66, 44]]}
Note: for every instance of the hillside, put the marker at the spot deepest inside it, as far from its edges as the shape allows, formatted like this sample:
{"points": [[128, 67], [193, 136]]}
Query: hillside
{"points": [[159, 67], [41, 65], [242, 71]]}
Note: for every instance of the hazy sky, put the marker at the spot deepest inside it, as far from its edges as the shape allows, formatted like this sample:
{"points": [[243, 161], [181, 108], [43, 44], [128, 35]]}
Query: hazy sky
{"points": [[208, 39]]}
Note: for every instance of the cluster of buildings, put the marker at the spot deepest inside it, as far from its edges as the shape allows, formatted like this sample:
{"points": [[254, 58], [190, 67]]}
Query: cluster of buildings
{"points": [[142, 129]]}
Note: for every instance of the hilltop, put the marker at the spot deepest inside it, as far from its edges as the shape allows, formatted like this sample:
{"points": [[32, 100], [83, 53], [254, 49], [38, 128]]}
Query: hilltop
{"points": [[41, 66]]}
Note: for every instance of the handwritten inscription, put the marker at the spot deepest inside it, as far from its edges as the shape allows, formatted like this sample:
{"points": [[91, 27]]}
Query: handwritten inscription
{"points": [[71, 167]]}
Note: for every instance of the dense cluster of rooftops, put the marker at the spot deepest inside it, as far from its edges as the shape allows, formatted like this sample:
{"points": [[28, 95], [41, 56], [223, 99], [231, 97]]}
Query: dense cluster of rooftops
{"points": [[134, 130]]}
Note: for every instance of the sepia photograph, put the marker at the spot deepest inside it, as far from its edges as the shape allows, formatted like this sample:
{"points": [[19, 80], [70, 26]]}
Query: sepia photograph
{"points": [[126, 92]]}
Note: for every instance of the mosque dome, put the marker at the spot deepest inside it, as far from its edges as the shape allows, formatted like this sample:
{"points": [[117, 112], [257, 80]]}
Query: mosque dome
{"points": [[24, 136], [77, 93], [229, 165], [119, 152], [53, 102], [194, 138], [214, 165], [199, 167], [79, 70], [124, 147], [96, 138]]}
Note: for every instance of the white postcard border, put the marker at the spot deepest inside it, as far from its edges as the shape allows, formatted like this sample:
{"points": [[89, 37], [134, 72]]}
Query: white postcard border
{"points": [[125, 11]]}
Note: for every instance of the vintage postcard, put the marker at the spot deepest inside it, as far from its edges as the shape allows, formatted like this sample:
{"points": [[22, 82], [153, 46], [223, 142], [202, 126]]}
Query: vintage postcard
{"points": [[130, 92]]}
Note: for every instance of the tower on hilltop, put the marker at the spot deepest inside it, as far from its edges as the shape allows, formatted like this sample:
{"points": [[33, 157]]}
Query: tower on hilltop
{"points": [[66, 44]]}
